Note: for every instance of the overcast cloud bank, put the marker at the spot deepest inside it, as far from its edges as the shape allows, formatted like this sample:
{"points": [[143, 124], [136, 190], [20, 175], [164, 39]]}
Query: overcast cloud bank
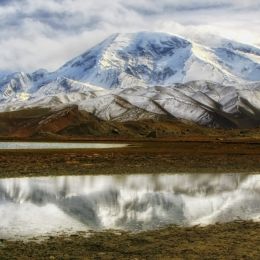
{"points": [[46, 33]]}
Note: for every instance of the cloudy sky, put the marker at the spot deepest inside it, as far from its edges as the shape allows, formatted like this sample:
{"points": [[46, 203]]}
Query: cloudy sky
{"points": [[46, 33]]}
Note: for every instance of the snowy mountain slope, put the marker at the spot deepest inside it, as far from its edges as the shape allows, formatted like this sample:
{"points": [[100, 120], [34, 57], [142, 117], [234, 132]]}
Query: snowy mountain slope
{"points": [[15, 83], [205, 103], [147, 59], [148, 75], [162, 59]]}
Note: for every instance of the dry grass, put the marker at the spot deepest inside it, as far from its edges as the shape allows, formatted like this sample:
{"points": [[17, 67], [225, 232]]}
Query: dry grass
{"points": [[235, 240], [142, 157]]}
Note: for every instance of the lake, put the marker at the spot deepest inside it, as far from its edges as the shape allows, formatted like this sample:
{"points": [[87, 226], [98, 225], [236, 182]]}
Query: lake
{"points": [[59, 145], [50, 205]]}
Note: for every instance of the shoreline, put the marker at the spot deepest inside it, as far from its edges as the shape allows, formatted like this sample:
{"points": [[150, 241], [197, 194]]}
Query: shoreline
{"points": [[232, 240], [139, 157]]}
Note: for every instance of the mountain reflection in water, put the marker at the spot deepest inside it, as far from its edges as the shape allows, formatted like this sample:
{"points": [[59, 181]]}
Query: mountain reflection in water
{"points": [[36, 206]]}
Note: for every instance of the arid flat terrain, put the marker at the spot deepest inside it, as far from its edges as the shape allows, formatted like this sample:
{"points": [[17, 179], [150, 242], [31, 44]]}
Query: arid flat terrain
{"points": [[139, 157], [236, 240]]}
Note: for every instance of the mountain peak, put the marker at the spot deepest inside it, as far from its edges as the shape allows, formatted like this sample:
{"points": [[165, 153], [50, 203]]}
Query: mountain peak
{"points": [[124, 59], [156, 58], [129, 76]]}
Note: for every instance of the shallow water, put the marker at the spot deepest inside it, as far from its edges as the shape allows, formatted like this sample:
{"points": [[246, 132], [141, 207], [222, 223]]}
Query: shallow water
{"points": [[39, 206], [60, 145]]}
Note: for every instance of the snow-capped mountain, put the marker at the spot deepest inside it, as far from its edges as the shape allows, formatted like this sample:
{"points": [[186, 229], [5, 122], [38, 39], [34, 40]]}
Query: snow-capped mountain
{"points": [[161, 59], [131, 76], [147, 59]]}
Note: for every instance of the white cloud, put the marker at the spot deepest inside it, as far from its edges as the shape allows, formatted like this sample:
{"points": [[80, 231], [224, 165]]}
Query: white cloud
{"points": [[46, 33]]}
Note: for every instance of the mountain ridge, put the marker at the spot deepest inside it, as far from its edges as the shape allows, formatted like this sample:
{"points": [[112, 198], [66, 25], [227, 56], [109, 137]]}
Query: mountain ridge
{"points": [[115, 48], [133, 76]]}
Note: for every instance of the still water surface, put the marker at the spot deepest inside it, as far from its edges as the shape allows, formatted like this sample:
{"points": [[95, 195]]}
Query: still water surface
{"points": [[39, 206], [60, 145]]}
